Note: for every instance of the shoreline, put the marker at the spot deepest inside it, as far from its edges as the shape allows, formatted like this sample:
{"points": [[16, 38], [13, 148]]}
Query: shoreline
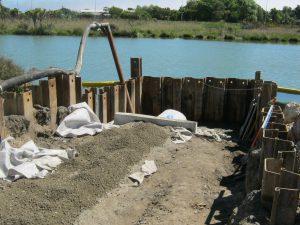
{"points": [[238, 40]]}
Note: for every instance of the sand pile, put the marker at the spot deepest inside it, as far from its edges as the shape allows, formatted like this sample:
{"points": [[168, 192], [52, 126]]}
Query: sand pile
{"points": [[103, 161]]}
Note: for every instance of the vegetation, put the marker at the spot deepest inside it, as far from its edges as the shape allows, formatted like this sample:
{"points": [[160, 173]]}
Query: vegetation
{"points": [[9, 69], [239, 20]]}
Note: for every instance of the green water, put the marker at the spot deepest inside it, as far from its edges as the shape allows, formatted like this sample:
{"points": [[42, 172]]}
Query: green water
{"points": [[177, 58]]}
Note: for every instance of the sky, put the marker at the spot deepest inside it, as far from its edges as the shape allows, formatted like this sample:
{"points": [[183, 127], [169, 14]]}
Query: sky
{"points": [[90, 4]]}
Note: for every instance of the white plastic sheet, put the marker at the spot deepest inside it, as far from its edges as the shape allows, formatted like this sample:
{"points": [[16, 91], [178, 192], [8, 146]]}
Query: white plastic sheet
{"points": [[29, 161], [81, 121], [172, 114], [147, 169]]}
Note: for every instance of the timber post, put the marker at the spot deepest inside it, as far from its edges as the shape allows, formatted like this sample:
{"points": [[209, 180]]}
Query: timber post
{"points": [[136, 67]]}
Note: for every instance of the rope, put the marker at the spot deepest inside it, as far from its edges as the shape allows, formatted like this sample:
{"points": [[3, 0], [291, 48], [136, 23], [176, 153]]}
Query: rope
{"points": [[230, 89]]}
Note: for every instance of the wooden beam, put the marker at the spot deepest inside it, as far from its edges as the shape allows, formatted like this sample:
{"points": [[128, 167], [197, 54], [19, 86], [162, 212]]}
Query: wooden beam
{"points": [[136, 67], [78, 84], [103, 107], [24, 105]]}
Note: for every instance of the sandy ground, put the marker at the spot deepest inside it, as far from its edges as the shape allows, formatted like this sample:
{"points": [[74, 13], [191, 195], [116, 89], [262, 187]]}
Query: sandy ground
{"points": [[196, 182], [193, 185]]}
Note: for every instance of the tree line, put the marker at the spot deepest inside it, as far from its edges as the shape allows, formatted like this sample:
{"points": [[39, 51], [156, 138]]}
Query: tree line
{"points": [[212, 10], [195, 10]]}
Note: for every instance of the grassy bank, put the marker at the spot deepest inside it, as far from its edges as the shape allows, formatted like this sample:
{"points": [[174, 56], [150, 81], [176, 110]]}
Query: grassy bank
{"points": [[160, 29]]}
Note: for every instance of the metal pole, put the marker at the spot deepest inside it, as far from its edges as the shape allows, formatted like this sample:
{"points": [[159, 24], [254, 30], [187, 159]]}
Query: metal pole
{"points": [[117, 63]]}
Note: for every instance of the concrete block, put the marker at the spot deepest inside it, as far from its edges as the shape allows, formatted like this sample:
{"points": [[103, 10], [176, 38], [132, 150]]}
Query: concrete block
{"points": [[123, 118]]}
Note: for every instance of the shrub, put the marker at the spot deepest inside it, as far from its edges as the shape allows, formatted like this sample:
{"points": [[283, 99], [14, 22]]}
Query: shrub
{"points": [[210, 37], [9, 69], [77, 31], [199, 36], [229, 37], [22, 28], [293, 40], [166, 35], [275, 39], [3, 28], [63, 32], [122, 33], [187, 36]]}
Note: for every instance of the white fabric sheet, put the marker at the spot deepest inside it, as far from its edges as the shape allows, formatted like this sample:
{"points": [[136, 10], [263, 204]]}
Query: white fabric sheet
{"points": [[81, 121], [29, 161]]}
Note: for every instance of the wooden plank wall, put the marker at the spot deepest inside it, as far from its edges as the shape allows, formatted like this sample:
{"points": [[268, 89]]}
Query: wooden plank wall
{"points": [[203, 100]]}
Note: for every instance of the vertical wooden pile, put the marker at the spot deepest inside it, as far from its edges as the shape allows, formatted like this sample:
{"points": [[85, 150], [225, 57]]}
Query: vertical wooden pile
{"points": [[171, 93], [279, 172], [151, 96], [214, 99], [192, 98], [18, 104], [236, 100], [66, 90]]}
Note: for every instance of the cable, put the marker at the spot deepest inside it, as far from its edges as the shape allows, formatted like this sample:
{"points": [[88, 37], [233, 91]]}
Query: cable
{"points": [[230, 89]]}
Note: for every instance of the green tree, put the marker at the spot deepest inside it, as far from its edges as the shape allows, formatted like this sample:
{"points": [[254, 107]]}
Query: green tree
{"points": [[115, 12], [4, 12], [247, 10], [37, 15], [14, 13], [288, 15], [297, 12], [276, 16]]}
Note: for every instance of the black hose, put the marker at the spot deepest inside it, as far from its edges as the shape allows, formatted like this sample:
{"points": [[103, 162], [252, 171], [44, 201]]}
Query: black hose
{"points": [[31, 76]]}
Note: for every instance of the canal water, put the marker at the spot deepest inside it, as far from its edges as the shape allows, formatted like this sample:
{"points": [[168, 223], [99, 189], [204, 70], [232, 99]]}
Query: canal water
{"points": [[161, 57]]}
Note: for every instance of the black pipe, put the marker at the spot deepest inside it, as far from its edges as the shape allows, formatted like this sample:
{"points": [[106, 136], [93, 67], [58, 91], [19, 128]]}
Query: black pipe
{"points": [[31, 76]]}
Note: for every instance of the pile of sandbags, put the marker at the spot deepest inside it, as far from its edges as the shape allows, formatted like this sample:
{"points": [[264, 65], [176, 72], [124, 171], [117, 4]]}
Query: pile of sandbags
{"points": [[292, 117]]}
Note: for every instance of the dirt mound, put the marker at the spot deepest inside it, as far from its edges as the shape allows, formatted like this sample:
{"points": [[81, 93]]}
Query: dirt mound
{"points": [[103, 161]]}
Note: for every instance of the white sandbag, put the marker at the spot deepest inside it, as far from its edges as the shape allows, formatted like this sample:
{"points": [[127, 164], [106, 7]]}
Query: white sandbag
{"points": [[29, 161], [81, 121], [172, 114]]}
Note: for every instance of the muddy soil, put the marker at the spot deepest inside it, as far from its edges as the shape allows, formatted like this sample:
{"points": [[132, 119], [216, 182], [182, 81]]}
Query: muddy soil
{"points": [[76, 185], [199, 182]]}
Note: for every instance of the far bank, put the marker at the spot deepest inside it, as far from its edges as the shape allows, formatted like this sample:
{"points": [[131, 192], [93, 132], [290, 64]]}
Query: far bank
{"points": [[160, 29]]}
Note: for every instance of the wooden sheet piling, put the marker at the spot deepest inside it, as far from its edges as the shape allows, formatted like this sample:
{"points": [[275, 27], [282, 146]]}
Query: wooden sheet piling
{"points": [[66, 90], [284, 207], [214, 99], [24, 105], [167, 93], [188, 97], [236, 100], [2, 123], [88, 98], [78, 85], [151, 96], [130, 84], [177, 91], [103, 106], [10, 106], [136, 67], [122, 98], [138, 94], [198, 104]]}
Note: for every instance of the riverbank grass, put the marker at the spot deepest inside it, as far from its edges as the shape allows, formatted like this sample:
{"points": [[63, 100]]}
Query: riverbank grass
{"points": [[159, 29]]}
